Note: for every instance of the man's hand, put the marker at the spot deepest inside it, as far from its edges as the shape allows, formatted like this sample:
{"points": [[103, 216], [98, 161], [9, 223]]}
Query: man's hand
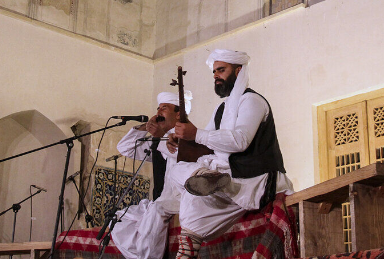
{"points": [[141, 127], [172, 143], [185, 131], [153, 128]]}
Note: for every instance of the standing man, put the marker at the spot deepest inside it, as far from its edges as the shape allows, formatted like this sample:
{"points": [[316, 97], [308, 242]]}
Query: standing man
{"points": [[142, 232], [245, 171]]}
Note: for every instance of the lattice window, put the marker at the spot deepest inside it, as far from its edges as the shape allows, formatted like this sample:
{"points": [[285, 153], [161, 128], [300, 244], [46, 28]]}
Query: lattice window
{"points": [[347, 140], [375, 109], [346, 212], [380, 154], [347, 163], [378, 118], [351, 135], [345, 128], [347, 148]]}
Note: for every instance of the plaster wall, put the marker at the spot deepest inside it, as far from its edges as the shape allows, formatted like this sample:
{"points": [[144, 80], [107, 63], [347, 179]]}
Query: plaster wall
{"points": [[127, 24], [64, 80], [309, 55], [181, 24], [184, 23], [152, 28]]}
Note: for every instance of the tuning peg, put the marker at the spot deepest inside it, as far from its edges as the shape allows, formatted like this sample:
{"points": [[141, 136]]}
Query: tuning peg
{"points": [[184, 72], [174, 82]]}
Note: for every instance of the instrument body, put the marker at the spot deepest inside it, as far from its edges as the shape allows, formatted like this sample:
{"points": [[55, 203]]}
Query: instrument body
{"points": [[188, 151]]}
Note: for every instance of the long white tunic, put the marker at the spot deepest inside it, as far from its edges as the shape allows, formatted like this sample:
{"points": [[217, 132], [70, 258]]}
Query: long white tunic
{"points": [[142, 232], [211, 215]]}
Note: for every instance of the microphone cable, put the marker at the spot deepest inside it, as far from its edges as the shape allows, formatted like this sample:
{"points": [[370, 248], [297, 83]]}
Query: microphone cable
{"points": [[66, 234], [119, 197], [133, 173], [94, 163], [86, 191]]}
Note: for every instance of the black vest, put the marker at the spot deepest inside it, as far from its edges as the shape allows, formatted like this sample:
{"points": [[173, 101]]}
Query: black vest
{"points": [[159, 166], [263, 154]]}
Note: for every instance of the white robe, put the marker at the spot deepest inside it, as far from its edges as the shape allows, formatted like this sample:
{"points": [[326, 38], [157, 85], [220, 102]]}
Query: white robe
{"points": [[211, 215], [143, 230]]}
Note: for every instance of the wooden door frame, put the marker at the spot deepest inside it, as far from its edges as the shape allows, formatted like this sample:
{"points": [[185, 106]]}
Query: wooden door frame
{"points": [[320, 126]]}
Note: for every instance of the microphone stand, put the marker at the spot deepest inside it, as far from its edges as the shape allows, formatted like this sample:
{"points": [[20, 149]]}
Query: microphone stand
{"points": [[88, 217], [112, 214], [69, 143], [114, 158], [16, 207]]}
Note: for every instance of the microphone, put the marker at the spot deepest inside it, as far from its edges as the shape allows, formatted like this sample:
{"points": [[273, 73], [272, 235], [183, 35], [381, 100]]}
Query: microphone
{"points": [[37, 187], [70, 178], [113, 157], [140, 118], [152, 139]]}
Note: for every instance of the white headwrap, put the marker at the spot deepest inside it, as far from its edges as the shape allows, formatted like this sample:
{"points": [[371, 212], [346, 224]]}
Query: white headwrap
{"points": [[232, 103], [172, 98]]}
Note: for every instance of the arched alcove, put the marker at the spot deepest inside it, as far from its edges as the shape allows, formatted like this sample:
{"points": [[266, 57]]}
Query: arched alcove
{"points": [[21, 132]]}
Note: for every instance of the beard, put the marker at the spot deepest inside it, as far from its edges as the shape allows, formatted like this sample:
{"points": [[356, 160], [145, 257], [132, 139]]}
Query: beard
{"points": [[223, 88]]}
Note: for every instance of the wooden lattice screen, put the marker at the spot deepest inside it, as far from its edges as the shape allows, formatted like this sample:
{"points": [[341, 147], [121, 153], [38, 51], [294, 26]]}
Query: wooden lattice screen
{"points": [[348, 139], [354, 139], [375, 109]]}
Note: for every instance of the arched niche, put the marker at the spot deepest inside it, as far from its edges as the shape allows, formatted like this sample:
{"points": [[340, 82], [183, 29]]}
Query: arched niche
{"points": [[21, 132]]}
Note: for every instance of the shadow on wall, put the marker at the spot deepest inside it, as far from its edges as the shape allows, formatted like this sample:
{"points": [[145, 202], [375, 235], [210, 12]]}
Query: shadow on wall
{"points": [[21, 132], [219, 23]]}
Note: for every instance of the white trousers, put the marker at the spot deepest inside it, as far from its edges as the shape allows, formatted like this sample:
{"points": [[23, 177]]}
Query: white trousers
{"points": [[210, 216], [143, 231]]}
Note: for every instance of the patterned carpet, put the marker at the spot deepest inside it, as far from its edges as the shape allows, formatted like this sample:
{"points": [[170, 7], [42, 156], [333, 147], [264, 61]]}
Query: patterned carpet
{"points": [[269, 233], [374, 254], [102, 201]]}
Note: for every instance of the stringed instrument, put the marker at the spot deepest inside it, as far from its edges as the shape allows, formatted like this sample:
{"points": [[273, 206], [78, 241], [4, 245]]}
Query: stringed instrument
{"points": [[188, 151]]}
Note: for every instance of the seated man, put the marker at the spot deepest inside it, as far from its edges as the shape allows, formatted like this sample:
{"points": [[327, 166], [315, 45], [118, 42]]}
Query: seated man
{"points": [[142, 232], [245, 171]]}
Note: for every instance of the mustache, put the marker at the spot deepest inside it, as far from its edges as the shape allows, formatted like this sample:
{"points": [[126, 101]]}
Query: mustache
{"points": [[219, 80], [160, 118]]}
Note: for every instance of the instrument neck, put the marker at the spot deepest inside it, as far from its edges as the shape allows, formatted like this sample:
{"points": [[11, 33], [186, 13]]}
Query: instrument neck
{"points": [[183, 115]]}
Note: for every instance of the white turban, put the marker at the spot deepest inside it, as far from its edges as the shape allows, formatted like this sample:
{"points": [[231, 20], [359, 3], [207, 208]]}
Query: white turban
{"points": [[228, 56], [172, 98], [232, 103]]}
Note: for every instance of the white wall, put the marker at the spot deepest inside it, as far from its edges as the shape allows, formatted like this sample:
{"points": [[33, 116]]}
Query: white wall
{"points": [[65, 79], [21, 132], [306, 56]]}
